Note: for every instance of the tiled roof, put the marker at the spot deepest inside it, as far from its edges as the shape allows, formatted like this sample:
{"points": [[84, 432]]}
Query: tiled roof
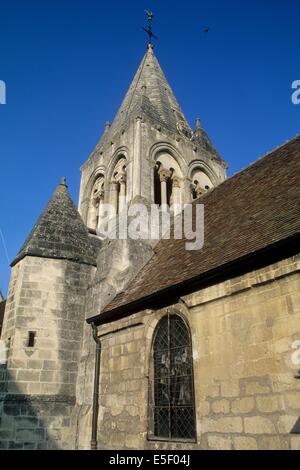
{"points": [[247, 213], [60, 233]]}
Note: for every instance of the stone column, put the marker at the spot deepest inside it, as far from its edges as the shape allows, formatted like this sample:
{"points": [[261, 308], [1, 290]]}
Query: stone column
{"points": [[176, 190], [92, 215], [114, 201], [100, 202], [122, 194], [188, 190], [163, 175], [114, 194]]}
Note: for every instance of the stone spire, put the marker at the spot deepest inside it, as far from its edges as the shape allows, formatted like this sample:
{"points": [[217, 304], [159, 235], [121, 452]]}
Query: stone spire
{"points": [[60, 232], [198, 124], [201, 139], [63, 181], [150, 94]]}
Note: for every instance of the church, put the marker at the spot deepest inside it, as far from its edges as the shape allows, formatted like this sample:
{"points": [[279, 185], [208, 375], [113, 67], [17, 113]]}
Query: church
{"points": [[140, 343]]}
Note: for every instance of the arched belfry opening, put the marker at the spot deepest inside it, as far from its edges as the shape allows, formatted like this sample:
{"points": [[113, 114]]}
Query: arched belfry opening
{"points": [[168, 181], [95, 200], [119, 184], [201, 183]]}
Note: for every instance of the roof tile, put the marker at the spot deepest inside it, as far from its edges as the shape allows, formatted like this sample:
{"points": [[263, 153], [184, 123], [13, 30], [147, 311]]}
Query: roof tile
{"points": [[60, 233]]}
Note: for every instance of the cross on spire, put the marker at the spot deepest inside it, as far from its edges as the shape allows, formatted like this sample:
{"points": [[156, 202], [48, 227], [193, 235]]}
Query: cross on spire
{"points": [[149, 30]]}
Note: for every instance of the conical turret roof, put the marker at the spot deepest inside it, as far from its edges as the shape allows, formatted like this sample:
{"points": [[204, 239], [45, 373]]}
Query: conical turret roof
{"points": [[60, 232]]}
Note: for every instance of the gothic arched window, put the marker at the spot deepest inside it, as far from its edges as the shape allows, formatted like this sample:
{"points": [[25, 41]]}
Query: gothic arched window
{"points": [[171, 394]]}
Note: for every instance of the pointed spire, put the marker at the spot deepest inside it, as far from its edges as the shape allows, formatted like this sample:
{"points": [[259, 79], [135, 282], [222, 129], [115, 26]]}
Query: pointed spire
{"points": [[150, 94], [63, 181], [198, 124], [201, 139], [60, 232]]}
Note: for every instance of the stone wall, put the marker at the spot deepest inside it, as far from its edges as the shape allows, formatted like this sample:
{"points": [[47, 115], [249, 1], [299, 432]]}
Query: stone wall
{"points": [[243, 332], [123, 411], [46, 297], [247, 396], [31, 422]]}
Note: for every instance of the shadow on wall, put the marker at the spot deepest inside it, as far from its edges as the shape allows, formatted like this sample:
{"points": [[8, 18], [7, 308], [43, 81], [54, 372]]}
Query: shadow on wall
{"points": [[296, 428], [2, 310], [38, 382], [31, 422]]}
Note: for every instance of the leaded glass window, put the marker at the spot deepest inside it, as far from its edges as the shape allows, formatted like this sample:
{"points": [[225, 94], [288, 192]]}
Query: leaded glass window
{"points": [[171, 386]]}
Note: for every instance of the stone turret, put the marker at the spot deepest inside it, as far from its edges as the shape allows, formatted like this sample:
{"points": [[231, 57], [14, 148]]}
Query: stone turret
{"points": [[149, 127], [43, 327]]}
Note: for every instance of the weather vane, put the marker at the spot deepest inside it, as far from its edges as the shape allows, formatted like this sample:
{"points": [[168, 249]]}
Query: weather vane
{"points": [[149, 30]]}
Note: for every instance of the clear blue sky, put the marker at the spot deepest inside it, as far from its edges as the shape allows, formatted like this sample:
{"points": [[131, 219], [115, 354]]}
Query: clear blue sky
{"points": [[67, 65]]}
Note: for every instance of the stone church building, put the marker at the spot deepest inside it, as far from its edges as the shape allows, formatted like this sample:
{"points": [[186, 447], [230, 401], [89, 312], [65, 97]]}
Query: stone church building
{"points": [[141, 343]]}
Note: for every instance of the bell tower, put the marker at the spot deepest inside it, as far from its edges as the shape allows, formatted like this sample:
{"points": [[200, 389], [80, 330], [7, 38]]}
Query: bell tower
{"points": [[150, 152]]}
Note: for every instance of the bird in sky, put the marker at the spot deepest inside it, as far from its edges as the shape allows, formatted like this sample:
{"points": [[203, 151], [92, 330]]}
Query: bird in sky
{"points": [[206, 30]]}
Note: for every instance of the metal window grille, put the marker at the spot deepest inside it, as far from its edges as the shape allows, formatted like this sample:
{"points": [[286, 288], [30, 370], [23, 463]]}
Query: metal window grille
{"points": [[172, 390]]}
